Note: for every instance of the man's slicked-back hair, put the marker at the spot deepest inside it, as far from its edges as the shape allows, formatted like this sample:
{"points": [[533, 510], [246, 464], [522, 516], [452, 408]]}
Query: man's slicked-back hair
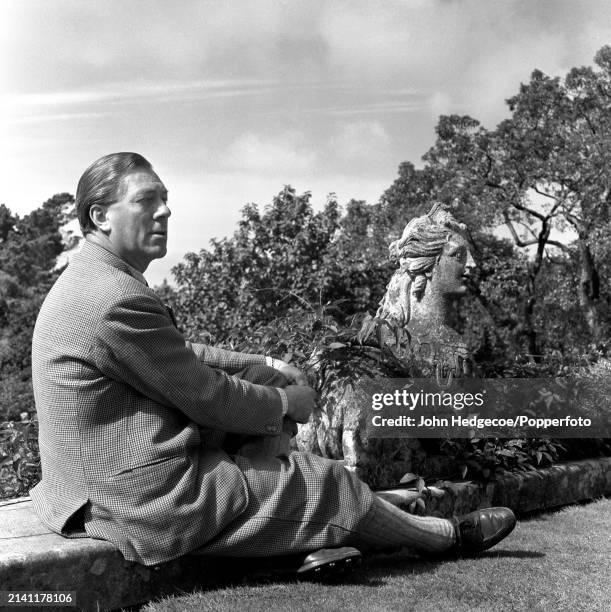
{"points": [[101, 182]]}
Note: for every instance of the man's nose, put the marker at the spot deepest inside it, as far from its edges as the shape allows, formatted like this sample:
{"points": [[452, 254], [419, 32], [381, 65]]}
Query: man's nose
{"points": [[163, 211]]}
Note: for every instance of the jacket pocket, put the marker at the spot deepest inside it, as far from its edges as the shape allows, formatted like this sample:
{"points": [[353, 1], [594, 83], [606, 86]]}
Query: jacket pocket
{"points": [[160, 462]]}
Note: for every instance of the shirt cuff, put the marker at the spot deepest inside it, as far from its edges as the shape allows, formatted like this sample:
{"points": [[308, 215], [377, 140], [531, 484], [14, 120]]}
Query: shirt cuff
{"points": [[285, 401], [273, 363]]}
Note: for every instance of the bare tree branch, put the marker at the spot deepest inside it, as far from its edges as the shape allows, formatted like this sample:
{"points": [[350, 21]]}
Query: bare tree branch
{"points": [[559, 245], [545, 194], [534, 213], [528, 228]]}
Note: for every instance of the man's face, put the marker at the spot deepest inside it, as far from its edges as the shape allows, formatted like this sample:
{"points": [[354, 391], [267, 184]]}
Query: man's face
{"points": [[138, 220], [455, 263]]}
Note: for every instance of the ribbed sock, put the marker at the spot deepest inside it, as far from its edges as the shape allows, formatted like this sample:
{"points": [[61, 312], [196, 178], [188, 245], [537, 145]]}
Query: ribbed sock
{"points": [[386, 526]]}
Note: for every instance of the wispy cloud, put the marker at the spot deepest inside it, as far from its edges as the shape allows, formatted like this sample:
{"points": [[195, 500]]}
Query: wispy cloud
{"points": [[375, 108], [55, 117], [128, 91]]}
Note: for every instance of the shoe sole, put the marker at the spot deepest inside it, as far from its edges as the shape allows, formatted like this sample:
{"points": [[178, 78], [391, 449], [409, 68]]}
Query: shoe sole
{"points": [[341, 562]]}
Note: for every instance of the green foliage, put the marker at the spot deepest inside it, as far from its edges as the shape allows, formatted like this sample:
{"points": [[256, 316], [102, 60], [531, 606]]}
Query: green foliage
{"points": [[286, 259], [16, 396], [272, 262], [357, 261], [16, 335], [19, 458], [331, 351], [29, 247], [485, 458]]}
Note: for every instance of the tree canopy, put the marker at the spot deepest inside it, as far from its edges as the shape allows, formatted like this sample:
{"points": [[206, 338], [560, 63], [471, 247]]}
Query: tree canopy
{"points": [[29, 247]]}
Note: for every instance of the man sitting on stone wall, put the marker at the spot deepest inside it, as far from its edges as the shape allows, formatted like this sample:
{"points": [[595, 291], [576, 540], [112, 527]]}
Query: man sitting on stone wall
{"points": [[164, 447]]}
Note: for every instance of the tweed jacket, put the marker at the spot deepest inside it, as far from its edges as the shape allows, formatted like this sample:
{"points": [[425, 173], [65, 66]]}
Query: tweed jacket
{"points": [[123, 403]]}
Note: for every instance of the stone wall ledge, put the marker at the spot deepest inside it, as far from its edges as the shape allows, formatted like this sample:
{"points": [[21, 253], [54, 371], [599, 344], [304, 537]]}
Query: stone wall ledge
{"points": [[532, 491], [32, 558]]}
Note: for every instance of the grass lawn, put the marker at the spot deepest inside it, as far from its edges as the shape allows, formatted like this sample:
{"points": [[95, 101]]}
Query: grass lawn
{"points": [[554, 561]]}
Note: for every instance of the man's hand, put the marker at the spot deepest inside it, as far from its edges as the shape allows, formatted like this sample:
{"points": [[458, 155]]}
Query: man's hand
{"points": [[302, 400], [294, 375]]}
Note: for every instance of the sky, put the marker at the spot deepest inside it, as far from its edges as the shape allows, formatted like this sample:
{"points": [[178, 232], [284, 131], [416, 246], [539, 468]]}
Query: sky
{"points": [[230, 100]]}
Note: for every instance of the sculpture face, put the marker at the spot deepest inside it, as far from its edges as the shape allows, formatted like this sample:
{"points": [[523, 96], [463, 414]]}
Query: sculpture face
{"points": [[453, 267]]}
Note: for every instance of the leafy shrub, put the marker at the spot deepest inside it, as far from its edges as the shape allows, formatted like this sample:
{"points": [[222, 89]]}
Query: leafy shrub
{"points": [[19, 458], [484, 458], [16, 396]]}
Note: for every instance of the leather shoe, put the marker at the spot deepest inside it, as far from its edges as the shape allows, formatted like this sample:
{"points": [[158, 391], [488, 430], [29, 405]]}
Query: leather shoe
{"points": [[323, 563], [329, 559], [482, 529]]}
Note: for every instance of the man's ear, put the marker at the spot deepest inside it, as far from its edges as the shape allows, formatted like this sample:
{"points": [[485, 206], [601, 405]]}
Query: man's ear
{"points": [[99, 218]]}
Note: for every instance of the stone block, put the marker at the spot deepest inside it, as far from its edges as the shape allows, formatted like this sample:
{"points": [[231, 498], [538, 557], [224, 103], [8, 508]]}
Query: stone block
{"points": [[32, 558], [555, 486]]}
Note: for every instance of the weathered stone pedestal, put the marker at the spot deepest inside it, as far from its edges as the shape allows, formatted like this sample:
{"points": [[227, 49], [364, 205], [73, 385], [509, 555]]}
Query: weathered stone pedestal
{"points": [[337, 430]]}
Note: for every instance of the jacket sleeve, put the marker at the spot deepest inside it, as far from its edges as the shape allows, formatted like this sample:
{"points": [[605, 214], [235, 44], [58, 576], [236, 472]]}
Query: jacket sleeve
{"points": [[137, 343], [229, 361]]}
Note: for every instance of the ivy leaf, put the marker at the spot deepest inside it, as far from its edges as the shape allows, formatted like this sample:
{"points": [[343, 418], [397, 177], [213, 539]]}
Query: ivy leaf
{"points": [[436, 492], [366, 328]]}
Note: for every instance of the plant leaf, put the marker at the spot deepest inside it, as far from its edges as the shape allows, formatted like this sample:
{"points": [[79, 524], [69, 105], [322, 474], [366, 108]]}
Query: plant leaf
{"points": [[408, 477]]}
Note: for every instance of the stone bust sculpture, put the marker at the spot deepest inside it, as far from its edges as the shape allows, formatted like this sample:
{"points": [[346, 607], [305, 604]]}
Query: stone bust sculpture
{"points": [[434, 258], [434, 261]]}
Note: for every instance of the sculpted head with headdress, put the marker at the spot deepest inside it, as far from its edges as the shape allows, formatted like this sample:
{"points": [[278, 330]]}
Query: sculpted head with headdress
{"points": [[434, 259]]}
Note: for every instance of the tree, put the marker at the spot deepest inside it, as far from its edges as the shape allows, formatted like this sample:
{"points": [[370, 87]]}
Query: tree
{"points": [[409, 196], [545, 168], [29, 247], [272, 263], [7, 222], [356, 263]]}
